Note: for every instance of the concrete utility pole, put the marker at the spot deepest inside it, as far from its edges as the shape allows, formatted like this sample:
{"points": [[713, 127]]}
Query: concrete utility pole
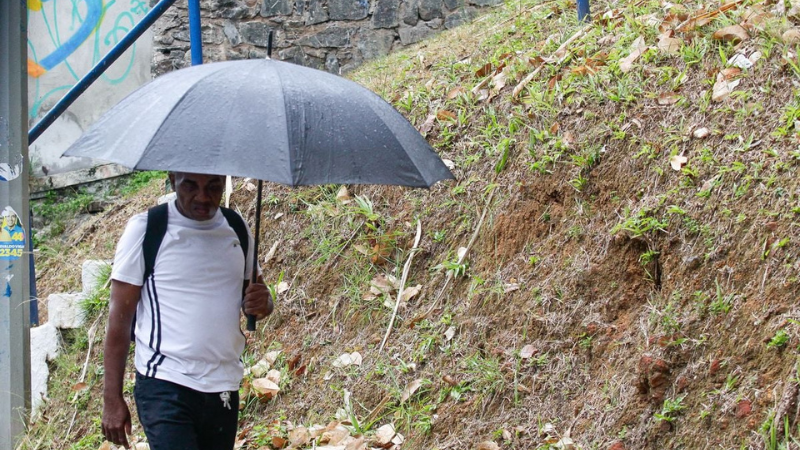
{"points": [[15, 372]]}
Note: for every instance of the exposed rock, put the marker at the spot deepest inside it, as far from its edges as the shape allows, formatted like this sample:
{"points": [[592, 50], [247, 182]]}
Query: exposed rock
{"points": [[430, 9], [314, 12], [460, 17], [45, 346], [386, 14], [348, 9], [411, 35], [212, 34], [64, 310], [272, 8], [329, 37], [232, 33], [332, 63], [91, 271], [255, 33], [375, 43], [453, 4], [409, 12]]}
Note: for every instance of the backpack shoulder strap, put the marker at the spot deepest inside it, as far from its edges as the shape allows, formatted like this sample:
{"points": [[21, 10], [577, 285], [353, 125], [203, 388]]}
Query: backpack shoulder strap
{"points": [[237, 223], [154, 233]]}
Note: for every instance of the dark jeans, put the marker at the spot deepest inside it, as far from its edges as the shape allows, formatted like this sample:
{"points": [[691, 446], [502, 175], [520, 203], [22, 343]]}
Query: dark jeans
{"points": [[175, 417]]}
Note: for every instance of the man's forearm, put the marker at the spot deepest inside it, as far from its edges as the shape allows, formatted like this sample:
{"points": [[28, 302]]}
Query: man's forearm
{"points": [[115, 358], [122, 309]]}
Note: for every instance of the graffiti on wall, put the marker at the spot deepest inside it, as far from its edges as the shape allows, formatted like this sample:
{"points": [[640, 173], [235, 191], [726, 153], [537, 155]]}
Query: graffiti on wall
{"points": [[66, 38]]}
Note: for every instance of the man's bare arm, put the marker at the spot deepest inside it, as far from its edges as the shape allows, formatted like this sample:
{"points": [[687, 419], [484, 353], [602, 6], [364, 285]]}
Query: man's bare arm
{"points": [[116, 415]]}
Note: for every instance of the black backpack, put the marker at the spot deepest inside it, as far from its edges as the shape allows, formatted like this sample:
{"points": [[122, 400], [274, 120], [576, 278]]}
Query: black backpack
{"points": [[157, 221]]}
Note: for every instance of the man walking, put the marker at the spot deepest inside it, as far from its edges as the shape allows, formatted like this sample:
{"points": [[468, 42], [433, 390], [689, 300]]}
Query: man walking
{"points": [[187, 323]]}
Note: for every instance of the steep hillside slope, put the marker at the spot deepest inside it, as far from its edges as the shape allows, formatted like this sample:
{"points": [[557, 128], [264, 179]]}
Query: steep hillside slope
{"points": [[616, 265]]}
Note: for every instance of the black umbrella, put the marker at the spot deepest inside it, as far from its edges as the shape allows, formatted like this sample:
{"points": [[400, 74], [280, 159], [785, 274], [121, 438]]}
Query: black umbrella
{"points": [[267, 120]]}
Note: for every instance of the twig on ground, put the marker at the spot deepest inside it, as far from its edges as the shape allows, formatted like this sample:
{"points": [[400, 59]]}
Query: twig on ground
{"points": [[90, 338], [521, 85], [707, 15], [460, 260], [403, 280]]}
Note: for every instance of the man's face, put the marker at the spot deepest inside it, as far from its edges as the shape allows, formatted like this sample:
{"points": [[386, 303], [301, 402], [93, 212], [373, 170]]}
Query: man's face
{"points": [[198, 195]]}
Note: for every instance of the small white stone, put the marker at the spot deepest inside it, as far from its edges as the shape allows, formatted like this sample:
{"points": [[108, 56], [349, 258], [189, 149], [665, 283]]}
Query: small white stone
{"points": [[90, 274], [740, 61], [45, 346], [64, 310], [701, 133]]}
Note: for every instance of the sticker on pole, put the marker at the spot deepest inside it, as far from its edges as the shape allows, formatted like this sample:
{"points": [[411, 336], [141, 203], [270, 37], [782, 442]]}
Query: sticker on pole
{"points": [[12, 236]]}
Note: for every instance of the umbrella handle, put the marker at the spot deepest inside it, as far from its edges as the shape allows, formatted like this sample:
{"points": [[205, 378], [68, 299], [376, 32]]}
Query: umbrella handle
{"points": [[251, 319], [251, 322]]}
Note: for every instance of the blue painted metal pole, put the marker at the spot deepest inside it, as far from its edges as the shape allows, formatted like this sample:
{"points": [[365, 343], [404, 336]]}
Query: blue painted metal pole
{"points": [[195, 33], [583, 11], [32, 270], [98, 69]]}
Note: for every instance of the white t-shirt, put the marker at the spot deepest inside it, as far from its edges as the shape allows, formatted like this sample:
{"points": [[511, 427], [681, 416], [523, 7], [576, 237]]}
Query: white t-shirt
{"points": [[187, 320]]}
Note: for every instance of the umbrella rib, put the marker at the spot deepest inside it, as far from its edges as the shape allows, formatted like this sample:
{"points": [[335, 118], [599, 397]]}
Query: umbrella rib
{"points": [[394, 136]]}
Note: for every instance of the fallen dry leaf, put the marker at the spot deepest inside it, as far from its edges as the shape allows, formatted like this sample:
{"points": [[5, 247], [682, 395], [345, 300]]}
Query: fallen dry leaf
{"points": [[733, 33], [105, 446], [343, 195], [259, 369], [384, 434], [455, 92], [722, 88], [448, 335], [265, 388], [791, 36], [445, 115], [272, 356], [626, 65], [449, 163], [427, 126], [668, 98], [730, 72], [299, 436], [499, 81], [282, 287], [274, 376], [450, 380], [410, 390], [527, 351], [483, 71], [334, 436], [348, 359], [279, 442], [410, 292], [80, 387], [488, 445], [678, 161], [670, 45], [355, 444], [507, 436]]}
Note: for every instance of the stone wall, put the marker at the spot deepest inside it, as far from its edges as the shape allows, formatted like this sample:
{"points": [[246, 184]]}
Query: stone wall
{"points": [[333, 35]]}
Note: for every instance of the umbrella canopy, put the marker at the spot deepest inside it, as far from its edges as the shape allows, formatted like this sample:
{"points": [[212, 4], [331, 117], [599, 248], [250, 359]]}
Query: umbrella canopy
{"points": [[263, 119]]}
